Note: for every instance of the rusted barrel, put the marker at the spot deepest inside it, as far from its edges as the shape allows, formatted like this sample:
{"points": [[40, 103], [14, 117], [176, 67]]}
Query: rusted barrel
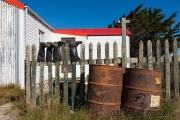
{"points": [[104, 90], [141, 90]]}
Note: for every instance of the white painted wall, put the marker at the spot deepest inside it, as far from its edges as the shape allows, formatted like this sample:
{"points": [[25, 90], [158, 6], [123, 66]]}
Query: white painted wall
{"points": [[57, 37], [102, 40], [33, 27], [94, 40]]}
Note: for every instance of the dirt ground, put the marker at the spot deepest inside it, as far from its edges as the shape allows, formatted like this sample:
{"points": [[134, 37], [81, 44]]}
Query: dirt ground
{"points": [[7, 113]]}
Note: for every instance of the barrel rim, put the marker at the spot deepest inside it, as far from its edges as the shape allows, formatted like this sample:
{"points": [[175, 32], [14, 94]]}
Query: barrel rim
{"points": [[106, 65], [144, 69]]}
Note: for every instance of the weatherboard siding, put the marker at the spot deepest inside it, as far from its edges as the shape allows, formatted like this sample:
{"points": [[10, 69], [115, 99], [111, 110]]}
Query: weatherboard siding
{"points": [[33, 27]]}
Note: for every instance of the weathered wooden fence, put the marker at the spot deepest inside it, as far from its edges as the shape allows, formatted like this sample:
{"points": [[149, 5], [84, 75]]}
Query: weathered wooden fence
{"points": [[167, 64]]}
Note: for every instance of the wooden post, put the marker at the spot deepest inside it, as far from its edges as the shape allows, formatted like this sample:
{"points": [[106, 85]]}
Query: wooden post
{"points": [[41, 84], [82, 72], [167, 70], [107, 53], [50, 82], [91, 53], [57, 83], [28, 69], [176, 68], [115, 53], [149, 53], [124, 56], [65, 85], [33, 77], [141, 54], [158, 52], [99, 53], [73, 85]]}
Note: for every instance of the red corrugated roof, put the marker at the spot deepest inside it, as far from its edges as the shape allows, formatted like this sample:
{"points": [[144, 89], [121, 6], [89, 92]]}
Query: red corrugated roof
{"points": [[15, 3], [92, 31]]}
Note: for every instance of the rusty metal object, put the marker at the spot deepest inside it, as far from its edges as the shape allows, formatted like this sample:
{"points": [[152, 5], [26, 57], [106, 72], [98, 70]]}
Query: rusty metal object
{"points": [[104, 90], [141, 90]]}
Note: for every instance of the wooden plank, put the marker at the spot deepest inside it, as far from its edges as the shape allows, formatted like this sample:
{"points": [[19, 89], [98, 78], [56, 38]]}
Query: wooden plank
{"points": [[33, 77], [115, 53], [107, 53], [41, 83], [99, 53], [50, 82], [65, 84], [167, 70], [149, 53], [91, 53], [158, 52], [73, 85], [141, 54], [176, 68], [124, 57], [28, 69], [82, 75], [57, 83]]}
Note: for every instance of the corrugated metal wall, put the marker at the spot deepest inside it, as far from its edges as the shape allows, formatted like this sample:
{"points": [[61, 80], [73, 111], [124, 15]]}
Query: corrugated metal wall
{"points": [[8, 44]]}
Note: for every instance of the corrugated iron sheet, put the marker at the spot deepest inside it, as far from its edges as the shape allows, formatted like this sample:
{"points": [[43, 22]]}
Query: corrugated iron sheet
{"points": [[8, 44]]}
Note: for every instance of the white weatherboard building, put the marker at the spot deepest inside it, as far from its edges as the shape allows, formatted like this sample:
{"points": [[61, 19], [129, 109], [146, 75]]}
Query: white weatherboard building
{"points": [[21, 26]]}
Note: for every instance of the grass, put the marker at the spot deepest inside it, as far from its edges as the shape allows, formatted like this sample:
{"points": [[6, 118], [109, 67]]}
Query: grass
{"points": [[169, 110]]}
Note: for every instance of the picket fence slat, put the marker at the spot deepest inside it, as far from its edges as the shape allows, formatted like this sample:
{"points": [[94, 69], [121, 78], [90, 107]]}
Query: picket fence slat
{"points": [[82, 75], [141, 55], [176, 68], [57, 83], [33, 78], [28, 76], [65, 83], [167, 69], [41, 84], [99, 54], [115, 53], [158, 52], [107, 62]]}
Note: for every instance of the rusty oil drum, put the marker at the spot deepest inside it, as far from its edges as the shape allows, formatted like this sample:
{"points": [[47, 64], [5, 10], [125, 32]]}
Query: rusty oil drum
{"points": [[141, 90], [104, 90]]}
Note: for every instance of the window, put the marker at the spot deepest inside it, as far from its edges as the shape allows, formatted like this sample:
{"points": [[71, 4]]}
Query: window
{"points": [[41, 36]]}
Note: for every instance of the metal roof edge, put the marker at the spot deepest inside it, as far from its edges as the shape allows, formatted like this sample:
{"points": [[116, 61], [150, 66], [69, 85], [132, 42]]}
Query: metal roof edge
{"points": [[30, 10]]}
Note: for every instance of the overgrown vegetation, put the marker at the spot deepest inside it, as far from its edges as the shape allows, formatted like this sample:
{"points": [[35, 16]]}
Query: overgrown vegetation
{"points": [[169, 110]]}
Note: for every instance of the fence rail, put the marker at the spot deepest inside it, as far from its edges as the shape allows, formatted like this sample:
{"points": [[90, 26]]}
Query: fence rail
{"points": [[169, 65]]}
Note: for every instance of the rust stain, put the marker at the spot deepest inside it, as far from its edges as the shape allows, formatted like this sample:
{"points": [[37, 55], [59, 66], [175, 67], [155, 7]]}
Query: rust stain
{"points": [[100, 92]]}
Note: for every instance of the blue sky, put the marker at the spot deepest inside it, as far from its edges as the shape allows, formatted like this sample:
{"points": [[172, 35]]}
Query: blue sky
{"points": [[93, 13]]}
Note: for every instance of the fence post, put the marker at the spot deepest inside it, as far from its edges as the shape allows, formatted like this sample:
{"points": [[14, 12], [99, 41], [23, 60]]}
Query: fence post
{"points": [[57, 84], [115, 53], [50, 81], [73, 85], [141, 54], [41, 84], [65, 83], [107, 53], [28, 69], [91, 54], [99, 53], [33, 77], [176, 68], [158, 52], [167, 70], [82, 72], [149, 53]]}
